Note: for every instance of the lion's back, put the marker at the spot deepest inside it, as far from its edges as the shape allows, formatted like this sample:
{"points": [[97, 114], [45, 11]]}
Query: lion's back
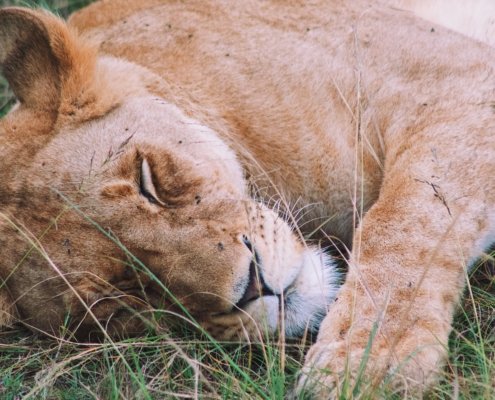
{"points": [[288, 73]]}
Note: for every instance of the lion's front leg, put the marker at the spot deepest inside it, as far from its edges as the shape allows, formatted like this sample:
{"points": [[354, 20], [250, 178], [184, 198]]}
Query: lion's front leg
{"points": [[393, 315]]}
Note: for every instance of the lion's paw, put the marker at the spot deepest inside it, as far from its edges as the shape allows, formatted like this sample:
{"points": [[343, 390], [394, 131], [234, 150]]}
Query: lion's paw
{"points": [[327, 368], [341, 369]]}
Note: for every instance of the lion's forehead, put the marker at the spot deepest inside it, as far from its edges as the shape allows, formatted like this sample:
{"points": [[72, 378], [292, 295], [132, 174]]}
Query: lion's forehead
{"points": [[186, 153]]}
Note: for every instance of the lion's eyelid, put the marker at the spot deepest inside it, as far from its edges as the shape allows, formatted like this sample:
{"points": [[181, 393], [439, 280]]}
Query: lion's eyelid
{"points": [[146, 186]]}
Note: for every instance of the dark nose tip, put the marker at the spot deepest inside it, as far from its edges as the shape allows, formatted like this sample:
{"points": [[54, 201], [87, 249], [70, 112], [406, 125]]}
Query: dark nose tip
{"points": [[251, 248], [256, 286], [248, 243]]}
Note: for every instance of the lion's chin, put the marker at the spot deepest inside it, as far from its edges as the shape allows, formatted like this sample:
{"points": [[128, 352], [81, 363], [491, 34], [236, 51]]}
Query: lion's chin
{"points": [[304, 303]]}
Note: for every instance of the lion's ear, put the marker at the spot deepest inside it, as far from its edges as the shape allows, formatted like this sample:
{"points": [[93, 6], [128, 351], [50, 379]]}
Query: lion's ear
{"points": [[43, 61]]}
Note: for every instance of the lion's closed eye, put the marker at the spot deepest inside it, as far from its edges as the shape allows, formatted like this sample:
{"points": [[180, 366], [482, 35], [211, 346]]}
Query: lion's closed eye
{"points": [[146, 185], [165, 180]]}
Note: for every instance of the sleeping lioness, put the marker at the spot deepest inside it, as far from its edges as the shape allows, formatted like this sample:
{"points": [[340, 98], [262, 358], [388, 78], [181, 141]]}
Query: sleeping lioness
{"points": [[154, 142]]}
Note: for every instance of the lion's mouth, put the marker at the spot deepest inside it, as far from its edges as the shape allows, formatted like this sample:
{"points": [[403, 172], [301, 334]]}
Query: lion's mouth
{"points": [[256, 286], [298, 308]]}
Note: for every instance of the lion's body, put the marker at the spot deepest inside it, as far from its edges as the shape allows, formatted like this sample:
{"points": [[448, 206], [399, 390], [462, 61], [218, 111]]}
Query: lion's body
{"points": [[224, 53], [379, 124]]}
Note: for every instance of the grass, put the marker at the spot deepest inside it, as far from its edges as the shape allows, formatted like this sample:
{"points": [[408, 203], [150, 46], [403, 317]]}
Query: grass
{"points": [[184, 364]]}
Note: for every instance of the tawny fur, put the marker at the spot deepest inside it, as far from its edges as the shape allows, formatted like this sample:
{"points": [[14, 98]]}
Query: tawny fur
{"points": [[377, 122]]}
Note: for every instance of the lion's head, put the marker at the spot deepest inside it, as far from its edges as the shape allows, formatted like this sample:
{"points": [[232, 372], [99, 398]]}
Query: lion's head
{"points": [[111, 196]]}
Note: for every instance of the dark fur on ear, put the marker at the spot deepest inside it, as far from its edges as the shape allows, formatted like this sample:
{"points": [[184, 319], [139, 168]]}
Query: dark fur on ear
{"points": [[47, 65], [27, 58]]}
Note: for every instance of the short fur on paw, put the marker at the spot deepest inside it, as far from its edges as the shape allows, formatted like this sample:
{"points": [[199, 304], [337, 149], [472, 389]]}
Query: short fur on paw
{"points": [[343, 363]]}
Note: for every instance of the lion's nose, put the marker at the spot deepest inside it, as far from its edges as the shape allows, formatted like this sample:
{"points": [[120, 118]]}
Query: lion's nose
{"points": [[248, 243], [256, 286]]}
